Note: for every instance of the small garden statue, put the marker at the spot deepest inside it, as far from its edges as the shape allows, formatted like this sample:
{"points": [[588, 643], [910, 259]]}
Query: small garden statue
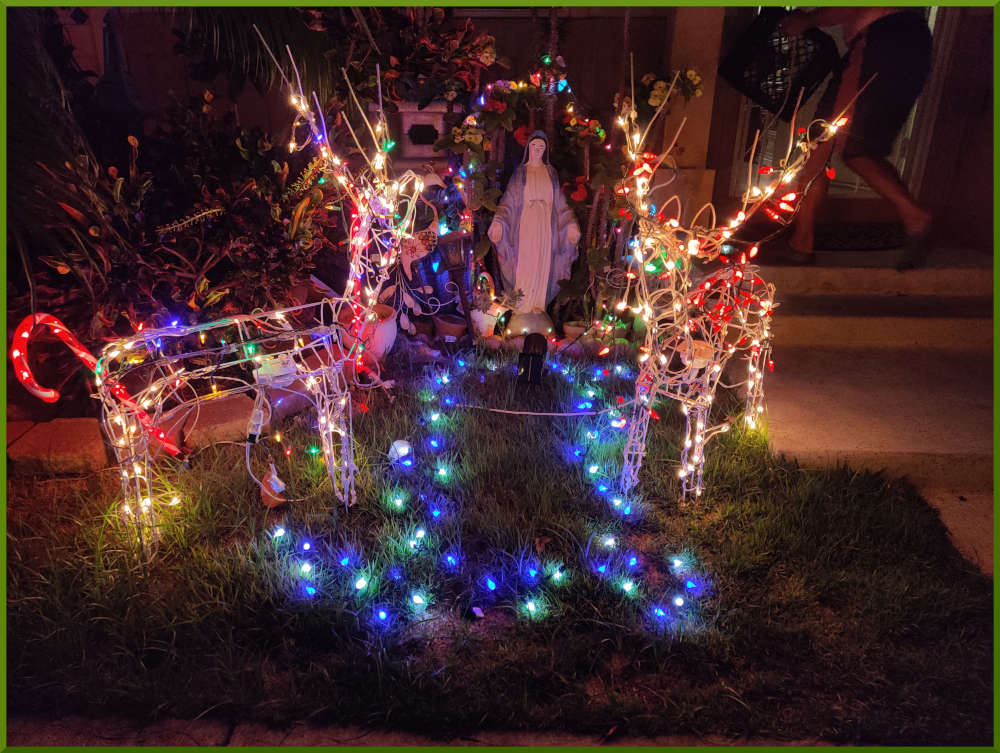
{"points": [[535, 233]]}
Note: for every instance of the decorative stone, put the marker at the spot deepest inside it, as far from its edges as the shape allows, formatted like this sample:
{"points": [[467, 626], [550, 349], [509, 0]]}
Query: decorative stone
{"points": [[400, 448], [222, 419], [64, 445]]}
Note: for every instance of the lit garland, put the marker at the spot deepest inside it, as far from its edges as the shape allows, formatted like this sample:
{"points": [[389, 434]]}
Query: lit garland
{"points": [[392, 589]]}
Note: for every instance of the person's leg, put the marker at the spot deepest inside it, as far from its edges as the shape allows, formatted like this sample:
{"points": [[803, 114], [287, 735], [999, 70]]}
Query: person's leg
{"points": [[897, 55], [882, 178], [803, 235], [812, 180]]}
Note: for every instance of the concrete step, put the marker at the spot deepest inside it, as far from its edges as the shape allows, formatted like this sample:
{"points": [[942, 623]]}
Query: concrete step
{"points": [[873, 273], [952, 323], [923, 414]]}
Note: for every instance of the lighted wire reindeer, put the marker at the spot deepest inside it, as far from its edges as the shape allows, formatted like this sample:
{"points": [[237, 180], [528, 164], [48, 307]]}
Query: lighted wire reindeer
{"points": [[694, 326], [156, 379], [697, 321]]}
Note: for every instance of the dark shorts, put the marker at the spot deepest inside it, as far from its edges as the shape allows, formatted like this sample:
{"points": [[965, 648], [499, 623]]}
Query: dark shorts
{"points": [[898, 53]]}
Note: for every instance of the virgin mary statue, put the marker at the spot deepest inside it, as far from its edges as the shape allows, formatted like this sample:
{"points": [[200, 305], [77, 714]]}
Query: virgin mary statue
{"points": [[536, 234]]}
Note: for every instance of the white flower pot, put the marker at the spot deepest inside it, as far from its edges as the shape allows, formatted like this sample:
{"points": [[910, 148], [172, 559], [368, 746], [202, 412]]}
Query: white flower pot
{"points": [[484, 322], [379, 336]]}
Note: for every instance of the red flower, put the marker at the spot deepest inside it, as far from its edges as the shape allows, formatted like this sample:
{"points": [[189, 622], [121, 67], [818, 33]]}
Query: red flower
{"points": [[496, 105], [521, 135]]}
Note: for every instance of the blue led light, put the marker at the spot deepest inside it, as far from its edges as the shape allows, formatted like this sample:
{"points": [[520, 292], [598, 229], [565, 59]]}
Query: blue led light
{"points": [[382, 614], [345, 561], [310, 590], [491, 584], [436, 513], [690, 584], [601, 568]]}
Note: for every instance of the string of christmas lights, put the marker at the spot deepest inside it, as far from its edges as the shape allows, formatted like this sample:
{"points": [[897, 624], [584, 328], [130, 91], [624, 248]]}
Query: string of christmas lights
{"points": [[697, 321], [157, 377]]}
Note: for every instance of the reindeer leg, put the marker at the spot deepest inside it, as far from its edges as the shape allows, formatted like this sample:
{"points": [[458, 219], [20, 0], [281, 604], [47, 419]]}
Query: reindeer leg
{"points": [[333, 403], [131, 446]]}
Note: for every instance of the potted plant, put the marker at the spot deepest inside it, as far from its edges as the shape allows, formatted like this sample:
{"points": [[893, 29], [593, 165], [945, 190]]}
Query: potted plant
{"points": [[487, 308]]}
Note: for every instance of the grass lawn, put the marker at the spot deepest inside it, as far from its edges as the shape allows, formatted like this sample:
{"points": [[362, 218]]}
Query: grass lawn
{"points": [[784, 603]]}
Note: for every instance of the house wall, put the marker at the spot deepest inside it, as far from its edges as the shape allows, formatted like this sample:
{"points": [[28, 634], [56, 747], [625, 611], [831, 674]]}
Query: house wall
{"points": [[591, 42], [958, 176]]}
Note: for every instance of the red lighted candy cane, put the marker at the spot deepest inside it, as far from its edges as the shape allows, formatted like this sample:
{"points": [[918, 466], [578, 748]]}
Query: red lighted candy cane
{"points": [[18, 354]]}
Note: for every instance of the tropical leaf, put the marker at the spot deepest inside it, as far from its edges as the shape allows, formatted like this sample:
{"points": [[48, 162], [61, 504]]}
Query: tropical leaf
{"points": [[298, 217], [216, 296], [73, 212]]}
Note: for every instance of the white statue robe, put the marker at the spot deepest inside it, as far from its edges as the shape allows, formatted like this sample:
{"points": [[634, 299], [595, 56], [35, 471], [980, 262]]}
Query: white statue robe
{"points": [[534, 240]]}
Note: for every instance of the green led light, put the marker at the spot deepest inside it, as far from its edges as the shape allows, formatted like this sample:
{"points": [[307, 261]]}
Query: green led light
{"points": [[313, 450], [547, 59]]}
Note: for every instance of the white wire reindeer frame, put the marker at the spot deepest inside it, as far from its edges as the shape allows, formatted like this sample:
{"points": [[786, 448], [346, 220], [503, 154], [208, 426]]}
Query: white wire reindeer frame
{"points": [[697, 322], [154, 378]]}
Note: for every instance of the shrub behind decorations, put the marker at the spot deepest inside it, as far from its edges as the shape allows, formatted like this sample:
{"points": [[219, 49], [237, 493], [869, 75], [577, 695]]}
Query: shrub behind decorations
{"points": [[206, 219]]}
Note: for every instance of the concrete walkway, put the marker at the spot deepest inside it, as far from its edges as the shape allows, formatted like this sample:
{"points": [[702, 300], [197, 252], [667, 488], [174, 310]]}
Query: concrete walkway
{"points": [[900, 381]]}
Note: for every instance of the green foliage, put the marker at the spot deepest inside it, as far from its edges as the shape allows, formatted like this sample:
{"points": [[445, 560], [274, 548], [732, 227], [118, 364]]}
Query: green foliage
{"points": [[211, 227]]}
